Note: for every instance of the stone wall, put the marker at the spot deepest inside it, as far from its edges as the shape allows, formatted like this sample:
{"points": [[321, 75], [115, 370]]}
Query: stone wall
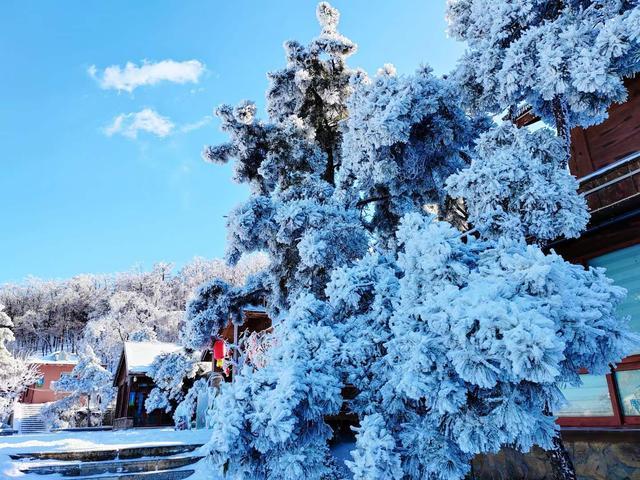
{"points": [[597, 455]]}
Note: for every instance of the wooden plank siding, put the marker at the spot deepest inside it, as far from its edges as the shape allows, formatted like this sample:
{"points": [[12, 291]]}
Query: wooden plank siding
{"points": [[617, 137], [605, 148]]}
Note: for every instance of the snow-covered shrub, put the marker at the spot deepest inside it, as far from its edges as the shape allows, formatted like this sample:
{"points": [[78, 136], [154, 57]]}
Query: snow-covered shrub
{"points": [[518, 186], [479, 338], [68, 413], [89, 392], [15, 373], [186, 409], [255, 347], [376, 454], [172, 373]]}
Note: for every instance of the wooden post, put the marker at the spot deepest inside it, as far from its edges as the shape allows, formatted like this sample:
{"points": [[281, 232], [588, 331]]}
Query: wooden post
{"points": [[89, 410], [235, 351]]}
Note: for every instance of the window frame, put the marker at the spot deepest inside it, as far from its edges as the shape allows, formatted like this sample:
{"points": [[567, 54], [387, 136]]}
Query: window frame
{"points": [[620, 238], [618, 419]]}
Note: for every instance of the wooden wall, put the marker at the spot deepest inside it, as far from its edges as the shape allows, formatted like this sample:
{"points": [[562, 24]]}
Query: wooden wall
{"points": [[602, 145], [615, 138]]}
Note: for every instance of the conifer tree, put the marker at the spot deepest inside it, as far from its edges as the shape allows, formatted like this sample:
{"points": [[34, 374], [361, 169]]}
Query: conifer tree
{"points": [[15, 374], [565, 58], [88, 387], [457, 343], [270, 423]]}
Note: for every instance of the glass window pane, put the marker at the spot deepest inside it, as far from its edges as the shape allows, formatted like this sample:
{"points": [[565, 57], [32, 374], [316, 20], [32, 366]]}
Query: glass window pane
{"points": [[623, 266], [589, 400], [629, 390]]}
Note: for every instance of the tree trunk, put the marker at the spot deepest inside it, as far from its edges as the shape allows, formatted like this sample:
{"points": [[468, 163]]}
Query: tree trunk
{"points": [[89, 410], [563, 129], [561, 465], [511, 113]]}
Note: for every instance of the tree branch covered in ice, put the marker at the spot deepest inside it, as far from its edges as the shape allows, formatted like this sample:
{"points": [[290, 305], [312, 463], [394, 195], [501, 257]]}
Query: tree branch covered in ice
{"points": [[567, 59], [517, 186], [456, 344], [15, 373]]}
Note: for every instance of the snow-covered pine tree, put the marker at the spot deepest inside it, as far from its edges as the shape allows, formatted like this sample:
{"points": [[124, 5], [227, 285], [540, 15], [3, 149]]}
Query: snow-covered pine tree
{"points": [[456, 345], [89, 387], [526, 320], [270, 423], [172, 374], [565, 58], [476, 337], [15, 374]]}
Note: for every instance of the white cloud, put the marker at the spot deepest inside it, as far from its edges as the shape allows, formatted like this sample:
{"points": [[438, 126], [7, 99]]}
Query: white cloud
{"points": [[189, 127], [147, 120], [132, 76]]}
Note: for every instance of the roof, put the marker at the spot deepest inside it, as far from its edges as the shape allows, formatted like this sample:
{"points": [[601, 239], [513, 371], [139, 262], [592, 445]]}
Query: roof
{"points": [[140, 355], [55, 358], [254, 308]]}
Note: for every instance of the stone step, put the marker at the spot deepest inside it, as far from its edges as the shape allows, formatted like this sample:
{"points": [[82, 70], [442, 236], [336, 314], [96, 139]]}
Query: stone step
{"points": [[162, 475], [30, 419], [36, 428], [110, 454], [117, 467]]}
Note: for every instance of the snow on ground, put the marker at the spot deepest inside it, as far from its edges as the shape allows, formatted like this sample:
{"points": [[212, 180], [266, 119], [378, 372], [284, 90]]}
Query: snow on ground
{"points": [[106, 440], [102, 440]]}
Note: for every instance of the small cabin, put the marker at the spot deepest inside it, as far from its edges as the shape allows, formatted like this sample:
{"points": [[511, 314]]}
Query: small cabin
{"points": [[51, 368], [255, 323], [134, 385]]}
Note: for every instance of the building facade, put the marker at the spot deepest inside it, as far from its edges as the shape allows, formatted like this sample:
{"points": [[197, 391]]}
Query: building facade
{"points": [[606, 160], [600, 425], [50, 367], [134, 385]]}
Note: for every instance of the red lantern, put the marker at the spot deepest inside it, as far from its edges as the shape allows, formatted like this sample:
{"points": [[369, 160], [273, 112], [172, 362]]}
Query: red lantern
{"points": [[219, 352]]}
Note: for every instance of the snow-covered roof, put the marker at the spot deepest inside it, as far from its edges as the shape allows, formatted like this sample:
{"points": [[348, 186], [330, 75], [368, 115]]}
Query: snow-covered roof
{"points": [[140, 355], [55, 358], [254, 308]]}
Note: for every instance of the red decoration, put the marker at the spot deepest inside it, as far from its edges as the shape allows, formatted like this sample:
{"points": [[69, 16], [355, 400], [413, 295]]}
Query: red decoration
{"points": [[219, 350]]}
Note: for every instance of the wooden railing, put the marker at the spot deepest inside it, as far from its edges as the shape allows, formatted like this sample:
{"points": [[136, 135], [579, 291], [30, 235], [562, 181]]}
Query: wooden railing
{"points": [[613, 185]]}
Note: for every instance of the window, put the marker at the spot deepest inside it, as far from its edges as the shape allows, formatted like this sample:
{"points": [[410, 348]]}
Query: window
{"points": [[629, 389], [592, 399], [613, 399], [623, 266]]}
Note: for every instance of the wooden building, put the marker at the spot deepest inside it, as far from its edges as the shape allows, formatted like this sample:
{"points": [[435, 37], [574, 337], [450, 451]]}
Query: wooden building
{"points": [[134, 384], [256, 323], [601, 424], [606, 160]]}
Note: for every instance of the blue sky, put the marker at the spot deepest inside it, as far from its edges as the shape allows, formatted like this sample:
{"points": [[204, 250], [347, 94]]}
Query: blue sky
{"points": [[75, 199]]}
